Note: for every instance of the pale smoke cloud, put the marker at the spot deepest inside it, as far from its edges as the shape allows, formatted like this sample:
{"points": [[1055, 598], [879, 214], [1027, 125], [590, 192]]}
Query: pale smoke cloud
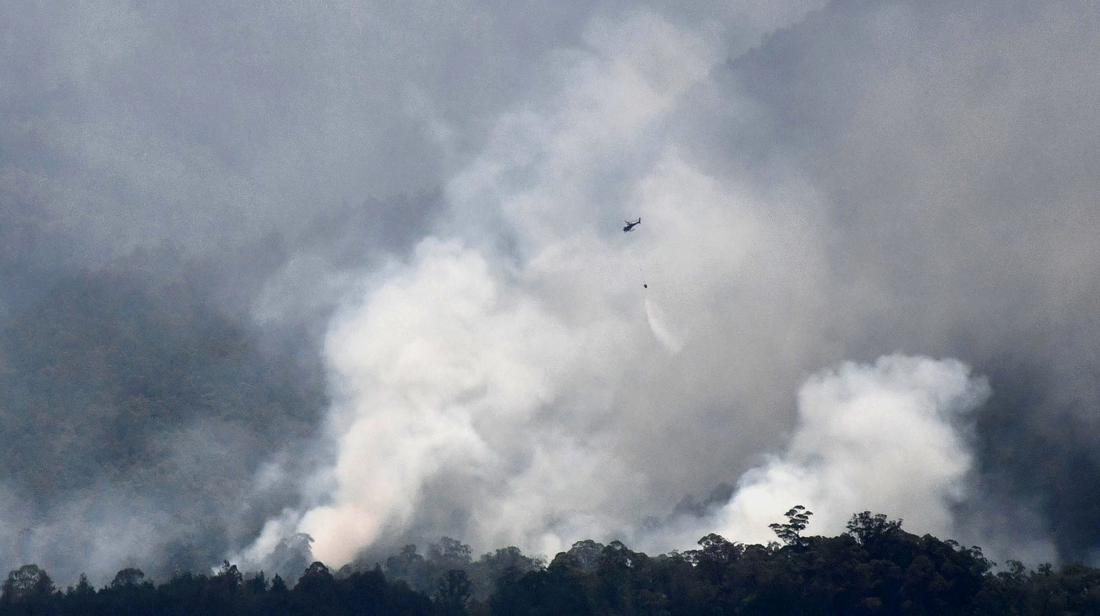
{"points": [[886, 437], [470, 369], [876, 177], [521, 377], [445, 370], [465, 368], [508, 375]]}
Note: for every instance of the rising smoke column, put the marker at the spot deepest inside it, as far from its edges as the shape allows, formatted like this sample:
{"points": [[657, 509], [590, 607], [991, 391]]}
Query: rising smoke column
{"points": [[832, 184], [782, 259], [463, 370], [440, 374], [512, 378], [886, 437]]}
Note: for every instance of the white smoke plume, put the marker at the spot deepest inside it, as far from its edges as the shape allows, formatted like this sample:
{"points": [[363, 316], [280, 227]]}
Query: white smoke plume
{"points": [[522, 362], [885, 437], [442, 371], [434, 195], [512, 372], [507, 382]]}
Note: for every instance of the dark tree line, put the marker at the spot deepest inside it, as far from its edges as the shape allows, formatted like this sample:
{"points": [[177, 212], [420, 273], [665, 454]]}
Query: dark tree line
{"points": [[29, 590], [875, 567]]}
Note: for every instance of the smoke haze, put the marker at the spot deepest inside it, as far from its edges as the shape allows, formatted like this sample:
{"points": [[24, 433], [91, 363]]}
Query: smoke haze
{"points": [[357, 271]]}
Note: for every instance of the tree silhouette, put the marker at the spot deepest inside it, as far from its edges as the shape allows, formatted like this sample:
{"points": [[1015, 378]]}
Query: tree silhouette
{"points": [[866, 527], [798, 518], [26, 583], [449, 553], [316, 581], [453, 592], [82, 587], [277, 584], [127, 577]]}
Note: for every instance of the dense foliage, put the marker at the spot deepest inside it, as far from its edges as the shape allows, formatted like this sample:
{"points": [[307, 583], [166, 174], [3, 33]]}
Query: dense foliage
{"points": [[873, 568]]}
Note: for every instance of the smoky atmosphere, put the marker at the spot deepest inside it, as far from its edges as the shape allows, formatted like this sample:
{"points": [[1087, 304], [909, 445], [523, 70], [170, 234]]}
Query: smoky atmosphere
{"points": [[316, 280]]}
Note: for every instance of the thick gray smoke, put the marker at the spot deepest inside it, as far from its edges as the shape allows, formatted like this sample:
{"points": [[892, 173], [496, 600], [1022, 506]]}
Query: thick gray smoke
{"points": [[754, 279], [355, 269]]}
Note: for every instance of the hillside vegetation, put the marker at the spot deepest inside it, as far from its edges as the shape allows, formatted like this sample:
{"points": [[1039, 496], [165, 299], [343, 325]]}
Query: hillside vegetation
{"points": [[873, 568]]}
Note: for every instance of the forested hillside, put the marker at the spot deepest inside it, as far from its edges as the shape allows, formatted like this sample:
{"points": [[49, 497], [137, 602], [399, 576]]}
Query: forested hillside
{"points": [[873, 568]]}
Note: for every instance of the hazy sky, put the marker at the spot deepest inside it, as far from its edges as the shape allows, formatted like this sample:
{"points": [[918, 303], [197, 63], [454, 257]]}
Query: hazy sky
{"points": [[356, 269]]}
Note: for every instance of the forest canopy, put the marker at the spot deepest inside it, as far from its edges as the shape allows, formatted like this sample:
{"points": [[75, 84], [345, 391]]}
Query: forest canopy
{"points": [[875, 567]]}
